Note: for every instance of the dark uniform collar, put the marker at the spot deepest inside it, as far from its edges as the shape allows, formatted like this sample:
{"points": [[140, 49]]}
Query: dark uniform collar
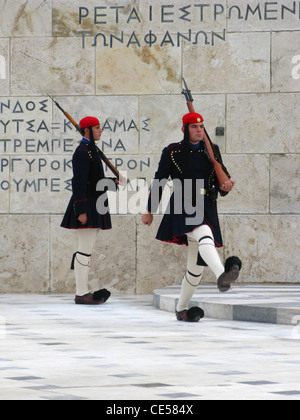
{"points": [[196, 146]]}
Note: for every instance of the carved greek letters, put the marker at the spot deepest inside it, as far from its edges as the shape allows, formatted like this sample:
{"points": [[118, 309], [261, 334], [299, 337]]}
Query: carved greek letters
{"points": [[36, 151], [193, 16]]}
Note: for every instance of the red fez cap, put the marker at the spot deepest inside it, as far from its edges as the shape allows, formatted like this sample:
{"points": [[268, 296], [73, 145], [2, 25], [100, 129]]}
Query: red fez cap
{"points": [[89, 121], [192, 118]]}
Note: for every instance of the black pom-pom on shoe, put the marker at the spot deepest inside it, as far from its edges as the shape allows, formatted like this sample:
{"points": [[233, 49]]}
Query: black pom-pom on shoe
{"points": [[193, 314], [101, 296], [231, 261], [96, 298], [231, 274]]}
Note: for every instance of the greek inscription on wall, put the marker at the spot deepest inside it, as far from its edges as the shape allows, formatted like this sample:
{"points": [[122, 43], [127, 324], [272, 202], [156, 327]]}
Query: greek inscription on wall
{"points": [[192, 16], [36, 160]]}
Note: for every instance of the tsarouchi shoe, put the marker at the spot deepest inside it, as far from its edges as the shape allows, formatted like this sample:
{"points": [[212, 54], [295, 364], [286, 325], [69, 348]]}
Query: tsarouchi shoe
{"points": [[231, 273], [190, 315], [96, 298]]}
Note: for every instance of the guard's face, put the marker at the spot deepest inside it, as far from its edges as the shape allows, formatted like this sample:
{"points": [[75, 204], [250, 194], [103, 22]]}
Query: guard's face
{"points": [[196, 131], [97, 131]]}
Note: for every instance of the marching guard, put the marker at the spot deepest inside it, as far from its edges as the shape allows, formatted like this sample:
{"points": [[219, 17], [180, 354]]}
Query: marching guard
{"points": [[82, 213], [189, 160]]}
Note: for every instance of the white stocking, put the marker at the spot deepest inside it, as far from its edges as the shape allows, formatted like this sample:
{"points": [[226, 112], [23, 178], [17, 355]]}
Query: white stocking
{"points": [[82, 269], [86, 243], [207, 249], [191, 278]]}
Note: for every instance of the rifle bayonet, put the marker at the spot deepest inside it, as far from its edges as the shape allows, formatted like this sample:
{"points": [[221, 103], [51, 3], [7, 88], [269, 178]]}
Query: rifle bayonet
{"points": [[188, 96]]}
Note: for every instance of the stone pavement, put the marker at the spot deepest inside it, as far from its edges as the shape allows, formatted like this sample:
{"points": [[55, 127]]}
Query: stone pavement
{"points": [[52, 349]]}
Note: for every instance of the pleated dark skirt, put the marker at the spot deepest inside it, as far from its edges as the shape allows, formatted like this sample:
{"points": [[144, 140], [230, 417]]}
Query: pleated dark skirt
{"points": [[174, 227], [95, 220]]}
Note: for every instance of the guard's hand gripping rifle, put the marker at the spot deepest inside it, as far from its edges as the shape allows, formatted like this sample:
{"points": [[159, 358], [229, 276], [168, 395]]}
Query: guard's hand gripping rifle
{"points": [[81, 131], [220, 170]]}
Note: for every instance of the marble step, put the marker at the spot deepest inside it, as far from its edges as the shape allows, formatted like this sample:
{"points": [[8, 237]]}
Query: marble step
{"points": [[252, 303]]}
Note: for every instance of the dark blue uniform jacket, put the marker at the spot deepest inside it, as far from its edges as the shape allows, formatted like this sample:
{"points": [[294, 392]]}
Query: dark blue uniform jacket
{"points": [[173, 227], [85, 196]]}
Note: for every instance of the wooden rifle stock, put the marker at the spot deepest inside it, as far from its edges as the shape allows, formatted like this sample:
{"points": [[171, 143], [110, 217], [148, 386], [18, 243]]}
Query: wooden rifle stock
{"points": [[81, 131], [221, 175]]}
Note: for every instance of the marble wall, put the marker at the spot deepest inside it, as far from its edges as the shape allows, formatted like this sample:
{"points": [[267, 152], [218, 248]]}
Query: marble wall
{"points": [[122, 61]]}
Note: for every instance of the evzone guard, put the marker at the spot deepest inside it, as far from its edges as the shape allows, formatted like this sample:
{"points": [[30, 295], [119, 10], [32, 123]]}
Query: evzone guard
{"points": [[82, 213], [189, 160]]}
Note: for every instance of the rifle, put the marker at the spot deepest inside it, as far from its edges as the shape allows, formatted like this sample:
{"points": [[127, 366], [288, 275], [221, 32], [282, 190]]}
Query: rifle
{"points": [[220, 170], [81, 131]]}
